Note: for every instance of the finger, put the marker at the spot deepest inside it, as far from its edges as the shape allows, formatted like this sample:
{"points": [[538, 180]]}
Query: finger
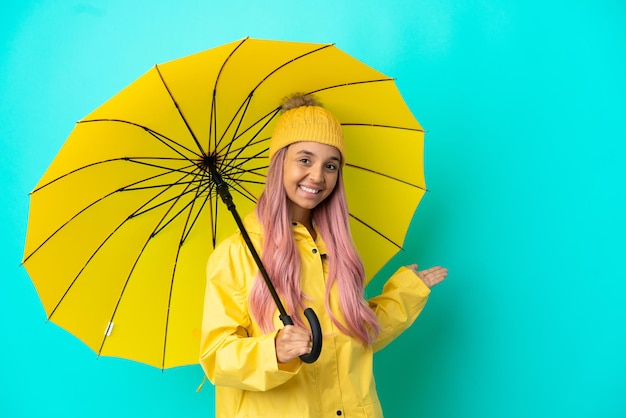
{"points": [[290, 344], [433, 275], [296, 330], [292, 334], [436, 271], [293, 353]]}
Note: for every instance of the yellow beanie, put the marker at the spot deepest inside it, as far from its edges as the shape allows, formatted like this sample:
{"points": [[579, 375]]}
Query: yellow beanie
{"points": [[307, 123]]}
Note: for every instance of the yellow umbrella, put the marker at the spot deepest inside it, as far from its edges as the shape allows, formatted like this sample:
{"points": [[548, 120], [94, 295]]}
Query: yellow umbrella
{"points": [[123, 220]]}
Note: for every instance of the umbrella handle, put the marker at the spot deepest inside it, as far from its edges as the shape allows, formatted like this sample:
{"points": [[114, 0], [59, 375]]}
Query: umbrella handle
{"points": [[316, 332]]}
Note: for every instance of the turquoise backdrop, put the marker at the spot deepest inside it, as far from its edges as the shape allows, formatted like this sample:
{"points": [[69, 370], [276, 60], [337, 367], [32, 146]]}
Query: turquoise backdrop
{"points": [[524, 104]]}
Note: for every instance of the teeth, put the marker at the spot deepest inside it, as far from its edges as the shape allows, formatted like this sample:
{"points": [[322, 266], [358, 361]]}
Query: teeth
{"points": [[308, 190]]}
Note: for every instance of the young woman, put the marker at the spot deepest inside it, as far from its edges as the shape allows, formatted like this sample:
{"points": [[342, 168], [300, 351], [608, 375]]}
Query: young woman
{"points": [[300, 228]]}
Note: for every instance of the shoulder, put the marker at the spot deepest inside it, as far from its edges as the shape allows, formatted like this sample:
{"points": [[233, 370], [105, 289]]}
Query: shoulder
{"points": [[232, 253], [236, 242]]}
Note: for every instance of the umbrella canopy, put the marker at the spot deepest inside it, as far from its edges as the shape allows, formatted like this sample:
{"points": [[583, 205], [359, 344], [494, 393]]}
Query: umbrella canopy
{"points": [[124, 219]]}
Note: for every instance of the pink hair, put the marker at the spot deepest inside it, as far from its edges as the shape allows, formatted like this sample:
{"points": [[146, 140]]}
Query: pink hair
{"points": [[282, 261]]}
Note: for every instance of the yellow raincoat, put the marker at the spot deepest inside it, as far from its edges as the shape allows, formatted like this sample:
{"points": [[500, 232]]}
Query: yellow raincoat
{"points": [[240, 360]]}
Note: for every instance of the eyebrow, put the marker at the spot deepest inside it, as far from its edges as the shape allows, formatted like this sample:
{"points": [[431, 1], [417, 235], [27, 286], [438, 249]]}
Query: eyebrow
{"points": [[309, 153]]}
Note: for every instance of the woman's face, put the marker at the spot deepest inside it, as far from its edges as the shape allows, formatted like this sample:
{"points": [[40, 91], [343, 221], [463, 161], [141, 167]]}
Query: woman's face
{"points": [[309, 175]]}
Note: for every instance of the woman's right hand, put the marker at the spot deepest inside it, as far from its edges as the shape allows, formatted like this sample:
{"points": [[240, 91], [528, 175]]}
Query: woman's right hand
{"points": [[431, 276], [292, 342]]}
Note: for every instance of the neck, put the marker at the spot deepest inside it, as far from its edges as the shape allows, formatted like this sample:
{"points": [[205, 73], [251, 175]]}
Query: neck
{"points": [[304, 217]]}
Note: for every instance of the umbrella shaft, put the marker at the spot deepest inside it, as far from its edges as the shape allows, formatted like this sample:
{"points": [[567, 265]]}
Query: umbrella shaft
{"points": [[222, 189]]}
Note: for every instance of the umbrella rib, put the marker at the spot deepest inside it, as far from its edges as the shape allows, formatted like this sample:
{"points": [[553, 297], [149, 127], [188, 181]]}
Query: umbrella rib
{"points": [[375, 230], [235, 135], [386, 176], [268, 75], [237, 168], [270, 115], [161, 138], [353, 83], [226, 150], [121, 189], [99, 246], [313, 51], [200, 191], [247, 100], [253, 139], [158, 186], [157, 229], [175, 199], [241, 111], [138, 160], [185, 233], [375, 125], [112, 160], [232, 176], [241, 190], [234, 173], [196, 217], [76, 170], [158, 136], [180, 112], [213, 123], [119, 299]]}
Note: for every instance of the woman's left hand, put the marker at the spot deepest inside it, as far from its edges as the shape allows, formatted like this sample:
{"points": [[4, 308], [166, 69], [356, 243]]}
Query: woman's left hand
{"points": [[431, 276]]}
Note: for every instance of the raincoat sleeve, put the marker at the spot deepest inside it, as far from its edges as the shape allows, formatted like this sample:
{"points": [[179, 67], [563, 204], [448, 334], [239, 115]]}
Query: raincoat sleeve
{"points": [[401, 301], [230, 354]]}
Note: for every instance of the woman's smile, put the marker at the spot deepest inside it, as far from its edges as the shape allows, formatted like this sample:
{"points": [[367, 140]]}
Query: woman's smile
{"points": [[310, 190]]}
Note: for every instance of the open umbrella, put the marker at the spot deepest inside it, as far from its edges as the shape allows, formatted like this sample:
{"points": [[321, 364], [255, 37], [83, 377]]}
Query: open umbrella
{"points": [[123, 220]]}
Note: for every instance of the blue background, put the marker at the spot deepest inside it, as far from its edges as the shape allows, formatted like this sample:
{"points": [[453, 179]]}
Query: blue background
{"points": [[524, 104]]}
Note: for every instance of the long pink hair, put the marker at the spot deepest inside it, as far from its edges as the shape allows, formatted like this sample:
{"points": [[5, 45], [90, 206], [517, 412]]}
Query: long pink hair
{"points": [[281, 259]]}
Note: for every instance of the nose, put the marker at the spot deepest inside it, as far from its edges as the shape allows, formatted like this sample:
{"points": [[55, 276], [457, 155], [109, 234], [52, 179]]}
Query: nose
{"points": [[316, 173]]}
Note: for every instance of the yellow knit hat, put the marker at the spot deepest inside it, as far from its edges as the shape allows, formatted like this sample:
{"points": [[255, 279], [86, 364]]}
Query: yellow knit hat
{"points": [[307, 123]]}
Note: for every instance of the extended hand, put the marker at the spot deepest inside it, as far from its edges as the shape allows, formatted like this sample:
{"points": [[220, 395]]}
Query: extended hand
{"points": [[431, 276]]}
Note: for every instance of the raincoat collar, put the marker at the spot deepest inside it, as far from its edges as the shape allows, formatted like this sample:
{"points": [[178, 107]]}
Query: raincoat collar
{"points": [[253, 226]]}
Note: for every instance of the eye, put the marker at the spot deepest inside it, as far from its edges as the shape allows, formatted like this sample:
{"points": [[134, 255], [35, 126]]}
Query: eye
{"points": [[331, 166], [304, 160]]}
